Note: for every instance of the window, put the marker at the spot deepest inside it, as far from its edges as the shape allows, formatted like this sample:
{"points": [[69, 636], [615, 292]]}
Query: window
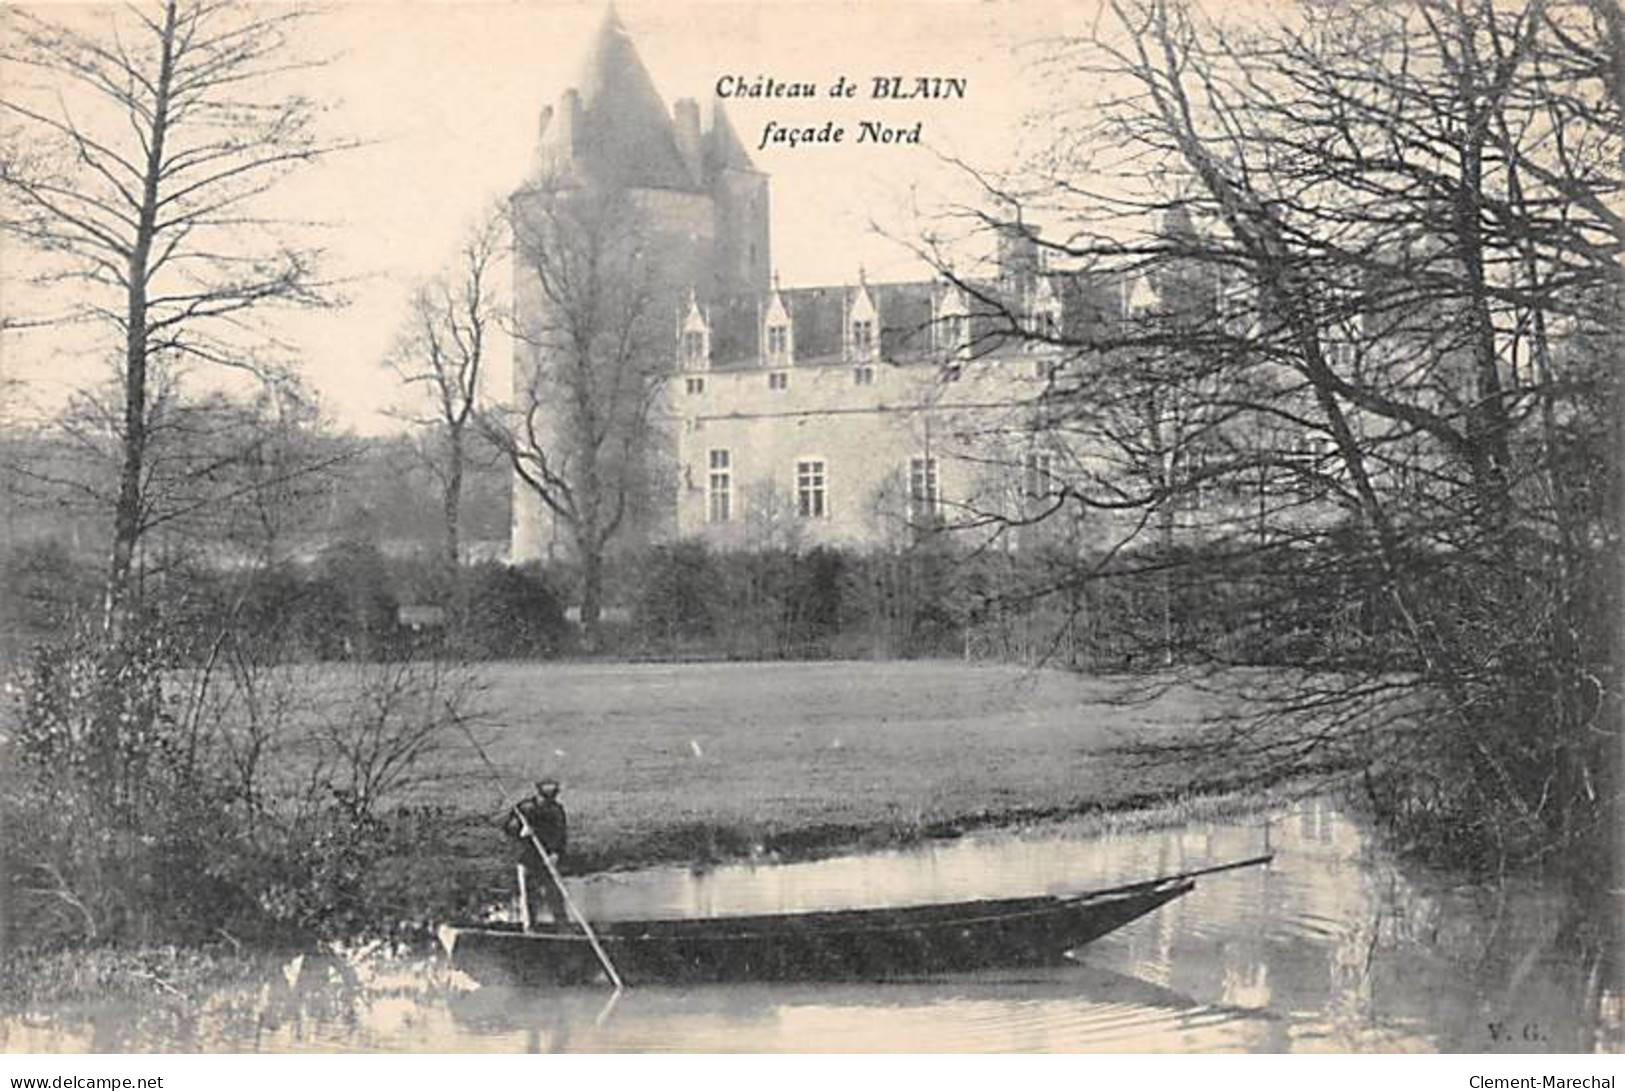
{"points": [[695, 385], [1341, 353], [953, 332], [811, 499], [863, 375], [778, 341], [1038, 474], [719, 489], [924, 499], [1189, 477], [1312, 460], [863, 337], [694, 347], [778, 380]]}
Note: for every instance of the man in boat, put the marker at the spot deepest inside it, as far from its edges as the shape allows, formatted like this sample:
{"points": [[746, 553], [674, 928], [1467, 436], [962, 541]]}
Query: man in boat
{"points": [[539, 818]]}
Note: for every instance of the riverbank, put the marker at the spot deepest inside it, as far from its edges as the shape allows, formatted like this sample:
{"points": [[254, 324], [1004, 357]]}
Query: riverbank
{"points": [[685, 763], [169, 978], [701, 764], [1335, 945], [697, 765]]}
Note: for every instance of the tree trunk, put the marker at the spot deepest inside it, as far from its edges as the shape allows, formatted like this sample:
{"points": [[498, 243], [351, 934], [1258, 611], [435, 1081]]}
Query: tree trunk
{"points": [[127, 514], [592, 595], [452, 499]]}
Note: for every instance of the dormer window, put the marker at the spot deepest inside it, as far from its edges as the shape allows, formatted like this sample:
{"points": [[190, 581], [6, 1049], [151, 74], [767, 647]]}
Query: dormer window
{"points": [[694, 338], [694, 348], [1045, 308], [863, 337], [778, 332], [924, 496], [1139, 298], [862, 321], [1038, 475], [950, 322]]}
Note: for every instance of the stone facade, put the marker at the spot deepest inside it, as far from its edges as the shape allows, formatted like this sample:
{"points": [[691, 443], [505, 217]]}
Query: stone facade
{"points": [[852, 414]]}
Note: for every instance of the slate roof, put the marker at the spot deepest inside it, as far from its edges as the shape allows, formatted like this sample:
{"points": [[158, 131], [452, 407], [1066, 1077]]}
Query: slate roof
{"points": [[735, 329], [903, 311], [906, 312], [624, 137], [818, 317], [723, 150]]}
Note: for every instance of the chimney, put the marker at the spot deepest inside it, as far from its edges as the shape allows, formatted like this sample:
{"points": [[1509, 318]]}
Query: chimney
{"points": [[686, 118], [569, 116], [1019, 262]]}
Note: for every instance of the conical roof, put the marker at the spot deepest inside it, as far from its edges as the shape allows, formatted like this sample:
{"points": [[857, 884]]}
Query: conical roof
{"points": [[723, 150], [625, 135], [1177, 224]]}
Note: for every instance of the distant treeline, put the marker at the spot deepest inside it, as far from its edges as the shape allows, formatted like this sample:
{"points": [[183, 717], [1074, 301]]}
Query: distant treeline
{"points": [[344, 487]]}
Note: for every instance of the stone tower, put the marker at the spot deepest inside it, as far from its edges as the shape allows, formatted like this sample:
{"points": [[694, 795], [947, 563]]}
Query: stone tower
{"points": [[702, 206]]}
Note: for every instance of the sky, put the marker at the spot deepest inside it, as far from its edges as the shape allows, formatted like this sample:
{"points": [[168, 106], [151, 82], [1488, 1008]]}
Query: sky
{"points": [[447, 96]]}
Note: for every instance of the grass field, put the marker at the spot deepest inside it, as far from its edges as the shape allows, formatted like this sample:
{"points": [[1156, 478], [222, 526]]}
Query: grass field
{"points": [[676, 763], [704, 761]]}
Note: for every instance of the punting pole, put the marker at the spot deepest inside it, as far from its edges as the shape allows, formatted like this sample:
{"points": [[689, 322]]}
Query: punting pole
{"points": [[552, 868], [570, 903], [1252, 861]]}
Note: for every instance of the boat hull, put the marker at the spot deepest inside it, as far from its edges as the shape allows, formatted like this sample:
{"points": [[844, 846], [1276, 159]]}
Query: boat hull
{"points": [[849, 944]]}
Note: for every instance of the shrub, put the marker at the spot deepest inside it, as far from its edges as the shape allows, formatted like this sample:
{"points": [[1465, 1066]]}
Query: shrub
{"points": [[510, 612], [111, 784], [678, 593], [145, 803]]}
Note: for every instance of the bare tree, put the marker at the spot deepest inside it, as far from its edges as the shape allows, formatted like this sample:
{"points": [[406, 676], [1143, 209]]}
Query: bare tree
{"points": [[135, 157], [226, 477], [1391, 355], [441, 357], [596, 343]]}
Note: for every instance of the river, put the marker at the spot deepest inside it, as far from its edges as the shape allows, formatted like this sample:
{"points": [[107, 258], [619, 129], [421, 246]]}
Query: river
{"points": [[1331, 947]]}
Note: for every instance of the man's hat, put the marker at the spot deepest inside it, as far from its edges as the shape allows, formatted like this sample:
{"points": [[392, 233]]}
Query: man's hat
{"points": [[547, 782]]}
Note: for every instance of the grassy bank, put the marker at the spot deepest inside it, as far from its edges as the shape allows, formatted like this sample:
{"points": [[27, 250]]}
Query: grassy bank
{"points": [[168, 987], [647, 750], [700, 763], [693, 764]]}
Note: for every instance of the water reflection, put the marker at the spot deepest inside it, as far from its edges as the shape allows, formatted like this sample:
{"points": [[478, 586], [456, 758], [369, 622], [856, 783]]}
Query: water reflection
{"points": [[1332, 947]]}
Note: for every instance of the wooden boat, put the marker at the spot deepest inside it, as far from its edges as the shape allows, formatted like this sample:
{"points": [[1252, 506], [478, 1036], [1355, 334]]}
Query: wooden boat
{"points": [[839, 944]]}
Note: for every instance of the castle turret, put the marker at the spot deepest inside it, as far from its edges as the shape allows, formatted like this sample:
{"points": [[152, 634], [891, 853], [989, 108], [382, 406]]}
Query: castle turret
{"points": [[744, 254], [611, 127], [695, 207], [1019, 259], [556, 146]]}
